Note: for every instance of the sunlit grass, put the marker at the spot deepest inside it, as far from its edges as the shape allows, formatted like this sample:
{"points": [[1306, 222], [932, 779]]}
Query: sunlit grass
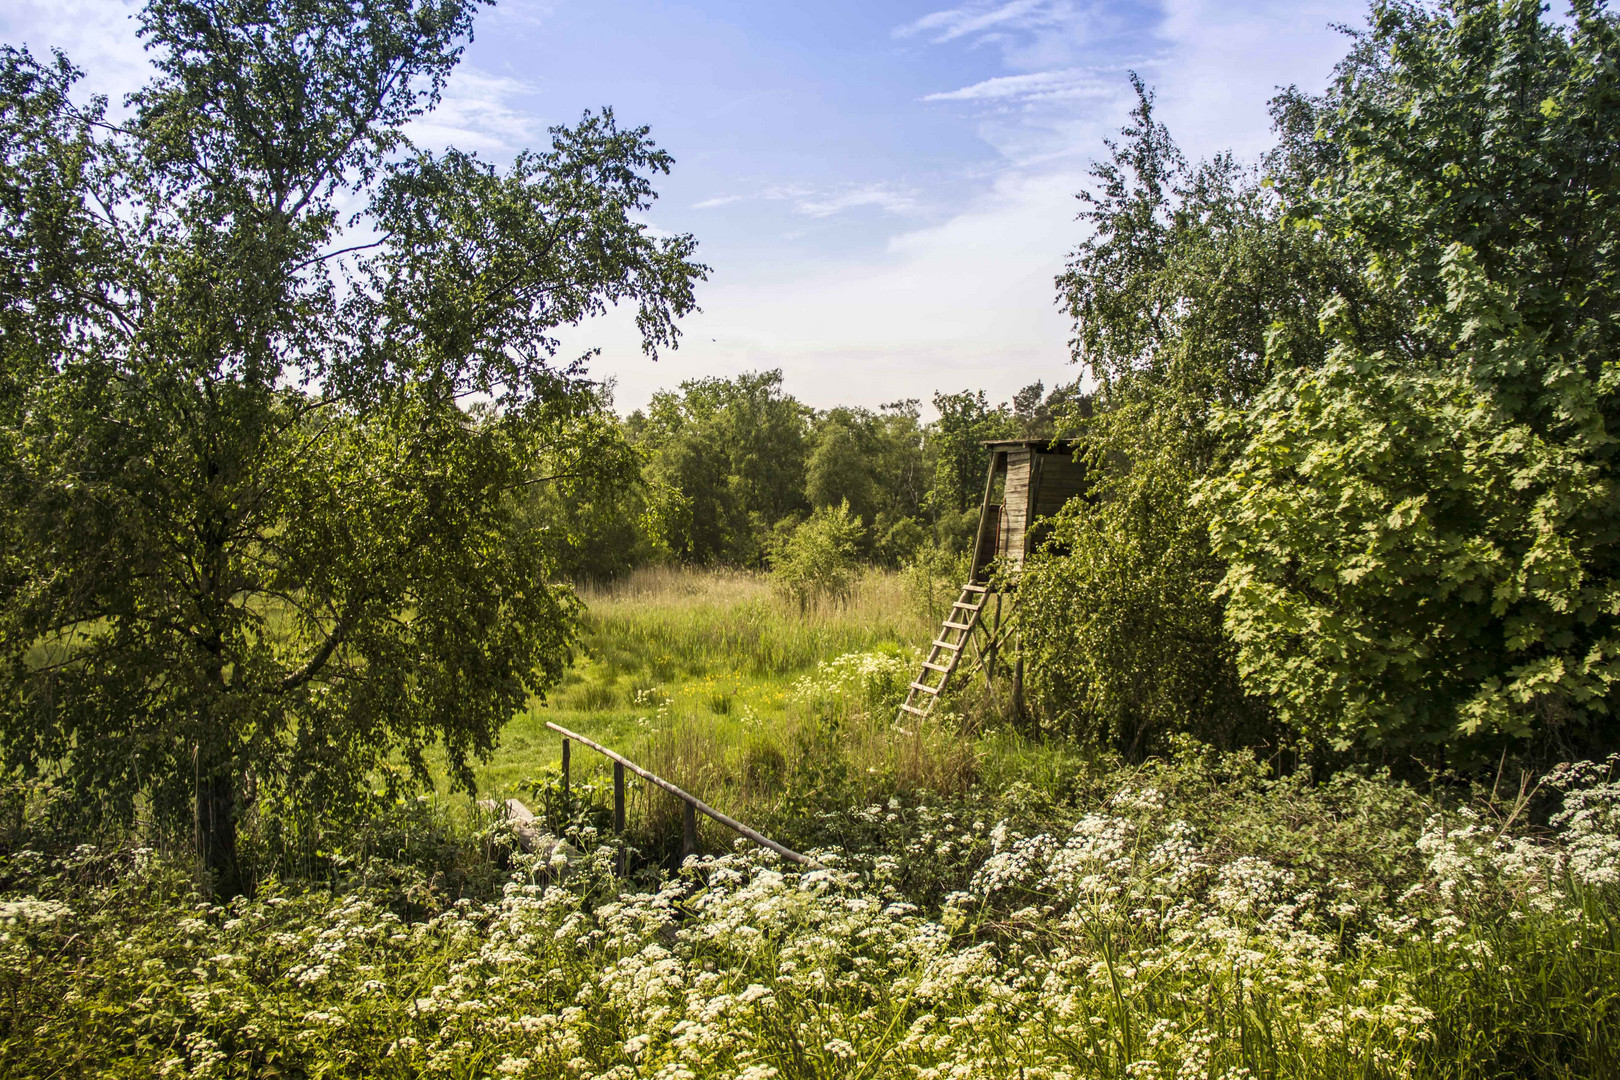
{"points": [[692, 674]]}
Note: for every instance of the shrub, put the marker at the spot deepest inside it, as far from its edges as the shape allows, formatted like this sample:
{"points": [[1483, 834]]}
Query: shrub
{"points": [[1417, 558], [1126, 643], [818, 561]]}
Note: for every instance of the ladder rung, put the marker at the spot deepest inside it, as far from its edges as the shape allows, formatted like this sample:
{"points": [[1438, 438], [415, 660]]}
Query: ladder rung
{"points": [[925, 688], [914, 710], [954, 646], [958, 625], [969, 607], [935, 667], [976, 588]]}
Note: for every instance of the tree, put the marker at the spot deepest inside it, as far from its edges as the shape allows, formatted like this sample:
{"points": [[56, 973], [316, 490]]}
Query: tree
{"points": [[1422, 534], [251, 535], [1185, 272], [727, 457], [839, 470], [592, 506], [966, 421]]}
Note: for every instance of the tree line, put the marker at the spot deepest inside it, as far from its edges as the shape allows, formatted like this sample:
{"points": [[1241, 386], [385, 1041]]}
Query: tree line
{"points": [[725, 472]]}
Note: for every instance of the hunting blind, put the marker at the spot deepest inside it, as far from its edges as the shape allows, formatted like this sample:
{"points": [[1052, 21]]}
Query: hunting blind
{"points": [[1029, 480]]}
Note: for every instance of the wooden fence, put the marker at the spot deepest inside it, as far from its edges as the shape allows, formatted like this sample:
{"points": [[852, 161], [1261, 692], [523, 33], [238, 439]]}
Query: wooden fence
{"points": [[692, 805]]}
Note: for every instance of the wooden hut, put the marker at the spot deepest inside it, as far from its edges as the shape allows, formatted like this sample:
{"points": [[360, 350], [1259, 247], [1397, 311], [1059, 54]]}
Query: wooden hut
{"points": [[1029, 480]]}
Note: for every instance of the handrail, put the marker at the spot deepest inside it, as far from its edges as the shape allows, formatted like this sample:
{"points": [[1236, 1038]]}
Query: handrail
{"points": [[691, 800]]}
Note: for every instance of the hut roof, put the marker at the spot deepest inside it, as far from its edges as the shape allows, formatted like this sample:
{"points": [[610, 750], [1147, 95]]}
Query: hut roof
{"points": [[1048, 446]]}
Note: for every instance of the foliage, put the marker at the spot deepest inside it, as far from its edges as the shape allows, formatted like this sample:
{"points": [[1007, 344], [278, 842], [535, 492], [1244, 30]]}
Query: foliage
{"points": [[728, 457], [589, 501], [1125, 641], [1151, 928], [1415, 563], [245, 514], [965, 420], [1421, 534], [1173, 292], [818, 560]]}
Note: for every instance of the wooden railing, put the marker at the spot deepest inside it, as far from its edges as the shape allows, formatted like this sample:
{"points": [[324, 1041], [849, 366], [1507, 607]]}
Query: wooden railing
{"points": [[692, 805]]}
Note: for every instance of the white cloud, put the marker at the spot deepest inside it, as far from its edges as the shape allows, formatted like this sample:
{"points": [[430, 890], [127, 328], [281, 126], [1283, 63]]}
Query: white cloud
{"points": [[971, 19], [1225, 63], [816, 202], [882, 196], [968, 302], [1040, 86], [476, 113], [97, 35]]}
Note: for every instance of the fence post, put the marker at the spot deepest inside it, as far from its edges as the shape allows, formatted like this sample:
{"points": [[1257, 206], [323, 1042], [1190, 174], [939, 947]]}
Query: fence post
{"points": [[618, 797], [688, 829], [565, 806]]}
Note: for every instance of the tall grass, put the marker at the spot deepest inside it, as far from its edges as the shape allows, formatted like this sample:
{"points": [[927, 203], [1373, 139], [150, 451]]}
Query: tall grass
{"points": [[767, 711], [676, 621]]}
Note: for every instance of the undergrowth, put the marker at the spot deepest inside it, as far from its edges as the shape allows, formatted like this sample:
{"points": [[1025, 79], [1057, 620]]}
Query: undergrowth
{"points": [[988, 904]]}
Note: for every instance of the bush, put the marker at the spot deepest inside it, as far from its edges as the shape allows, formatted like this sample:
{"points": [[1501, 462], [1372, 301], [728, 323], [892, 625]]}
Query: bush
{"points": [[1126, 643], [819, 559], [1191, 917], [1416, 560]]}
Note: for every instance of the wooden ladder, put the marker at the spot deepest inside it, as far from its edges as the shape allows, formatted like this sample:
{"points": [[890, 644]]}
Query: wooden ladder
{"points": [[946, 653]]}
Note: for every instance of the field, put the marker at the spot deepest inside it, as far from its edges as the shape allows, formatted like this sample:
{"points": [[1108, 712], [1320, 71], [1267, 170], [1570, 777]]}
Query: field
{"points": [[714, 682], [992, 905]]}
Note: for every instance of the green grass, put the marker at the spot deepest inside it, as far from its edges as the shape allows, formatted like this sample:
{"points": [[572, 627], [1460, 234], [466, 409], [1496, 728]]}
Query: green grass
{"points": [[692, 674]]}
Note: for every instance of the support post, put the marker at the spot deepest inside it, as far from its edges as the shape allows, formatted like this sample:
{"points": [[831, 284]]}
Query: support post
{"points": [[565, 803], [995, 643], [618, 797], [1018, 686], [688, 829]]}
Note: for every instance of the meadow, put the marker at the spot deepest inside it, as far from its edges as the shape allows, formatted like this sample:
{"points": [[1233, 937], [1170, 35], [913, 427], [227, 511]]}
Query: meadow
{"points": [[991, 905]]}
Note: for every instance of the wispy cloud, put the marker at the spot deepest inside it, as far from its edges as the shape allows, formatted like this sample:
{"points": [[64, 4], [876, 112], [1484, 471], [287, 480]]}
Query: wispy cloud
{"points": [[979, 18], [1037, 86], [477, 113], [881, 196], [816, 202]]}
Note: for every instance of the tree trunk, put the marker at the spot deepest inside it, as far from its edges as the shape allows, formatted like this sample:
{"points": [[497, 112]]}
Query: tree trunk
{"points": [[216, 832]]}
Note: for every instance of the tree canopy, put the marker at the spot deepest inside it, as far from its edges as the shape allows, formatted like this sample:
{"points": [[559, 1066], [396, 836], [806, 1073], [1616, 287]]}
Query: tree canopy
{"points": [[1352, 458]]}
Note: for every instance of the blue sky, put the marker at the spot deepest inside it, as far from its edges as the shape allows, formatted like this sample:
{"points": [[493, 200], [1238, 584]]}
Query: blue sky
{"points": [[883, 190]]}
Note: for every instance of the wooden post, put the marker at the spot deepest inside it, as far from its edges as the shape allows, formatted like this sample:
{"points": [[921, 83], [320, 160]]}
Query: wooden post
{"points": [[618, 816], [1018, 685], [995, 644], [565, 805], [618, 797], [998, 460], [688, 829]]}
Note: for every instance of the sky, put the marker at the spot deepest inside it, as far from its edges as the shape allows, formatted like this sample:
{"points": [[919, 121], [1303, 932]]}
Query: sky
{"points": [[884, 191]]}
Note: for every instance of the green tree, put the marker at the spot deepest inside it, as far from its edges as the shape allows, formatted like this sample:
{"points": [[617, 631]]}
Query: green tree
{"points": [[589, 499], [1422, 534], [727, 457], [1184, 273], [966, 420], [251, 535], [840, 470]]}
